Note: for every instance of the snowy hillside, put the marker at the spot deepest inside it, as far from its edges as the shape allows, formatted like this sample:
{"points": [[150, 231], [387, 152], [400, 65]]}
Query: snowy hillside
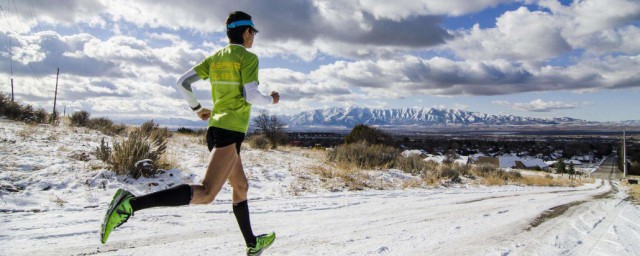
{"points": [[54, 194]]}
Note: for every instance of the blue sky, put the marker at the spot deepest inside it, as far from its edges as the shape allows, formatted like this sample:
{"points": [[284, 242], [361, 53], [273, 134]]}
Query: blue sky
{"points": [[538, 58]]}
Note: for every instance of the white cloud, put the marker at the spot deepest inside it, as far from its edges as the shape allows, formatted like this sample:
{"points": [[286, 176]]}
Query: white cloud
{"points": [[623, 40], [401, 9], [456, 106], [537, 105], [520, 35], [121, 75], [597, 26], [309, 27], [460, 106], [408, 75], [587, 17]]}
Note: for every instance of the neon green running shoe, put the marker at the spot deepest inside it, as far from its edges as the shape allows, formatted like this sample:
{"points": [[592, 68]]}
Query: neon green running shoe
{"points": [[118, 213], [262, 243]]}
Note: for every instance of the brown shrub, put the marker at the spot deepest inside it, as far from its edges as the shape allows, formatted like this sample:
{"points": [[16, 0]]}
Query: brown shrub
{"points": [[148, 142], [364, 155], [414, 165], [80, 118], [258, 141], [14, 110]]}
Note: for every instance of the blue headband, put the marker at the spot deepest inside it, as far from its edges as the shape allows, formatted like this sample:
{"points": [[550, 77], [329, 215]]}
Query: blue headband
{"points": [[239, 23]]}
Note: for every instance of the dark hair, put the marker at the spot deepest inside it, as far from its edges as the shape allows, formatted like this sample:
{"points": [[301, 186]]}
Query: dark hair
{"points": [[235, 34]]}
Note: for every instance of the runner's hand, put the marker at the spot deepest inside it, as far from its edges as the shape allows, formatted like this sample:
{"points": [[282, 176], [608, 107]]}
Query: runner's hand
{"points": [[204, 114], [276, 97]]}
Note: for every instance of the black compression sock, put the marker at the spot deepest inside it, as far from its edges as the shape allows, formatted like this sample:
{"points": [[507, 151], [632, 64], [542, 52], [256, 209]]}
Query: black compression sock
{"points": [[175, 196], [241, 211]]}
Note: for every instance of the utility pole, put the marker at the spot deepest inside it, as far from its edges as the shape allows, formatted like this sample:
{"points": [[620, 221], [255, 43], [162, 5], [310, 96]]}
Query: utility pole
{"points": [[56, 96], [624, 153], [11, 60]]}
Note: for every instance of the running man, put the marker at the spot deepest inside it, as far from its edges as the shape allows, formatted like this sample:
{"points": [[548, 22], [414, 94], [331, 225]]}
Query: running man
{"points": [[233, 74]]}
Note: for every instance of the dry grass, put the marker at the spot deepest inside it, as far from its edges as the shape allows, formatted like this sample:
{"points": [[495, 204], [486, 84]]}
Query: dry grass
{"points": [[414, 165], [57, 200], [492, 176], [170, 160], [344, 176], [364, 155], [493, 180], [431, 180], [345, 164], [546, 181], [634, 192], [411, 184], [258, 141], [515, 178], [28, 131], [323, 172], [634, 189]]}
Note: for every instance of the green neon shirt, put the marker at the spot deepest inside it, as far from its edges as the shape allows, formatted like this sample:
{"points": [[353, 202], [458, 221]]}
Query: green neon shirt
{"points": [[228, 70]]}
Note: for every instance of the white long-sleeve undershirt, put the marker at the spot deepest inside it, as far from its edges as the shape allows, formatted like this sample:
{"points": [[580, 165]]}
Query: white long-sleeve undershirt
{"points": [[184, 86], [250, 90], [254, 97]]}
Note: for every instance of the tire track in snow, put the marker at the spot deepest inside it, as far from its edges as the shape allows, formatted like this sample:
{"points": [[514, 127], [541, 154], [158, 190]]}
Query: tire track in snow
{"points": [[587, 228], [599, 229]]}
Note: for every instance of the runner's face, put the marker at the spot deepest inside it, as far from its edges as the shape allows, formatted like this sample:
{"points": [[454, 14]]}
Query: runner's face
{"points": [[248, 38]]}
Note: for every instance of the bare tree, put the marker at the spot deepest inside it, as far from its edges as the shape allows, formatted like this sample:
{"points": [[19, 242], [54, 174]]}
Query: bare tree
{"points": [[271, 127]]}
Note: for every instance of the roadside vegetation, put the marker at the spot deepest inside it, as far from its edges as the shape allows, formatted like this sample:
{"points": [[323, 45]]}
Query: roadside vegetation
{"points": [[269, 132], [358, 154], [633, 189], [102, 124], [14, 110], [633, 157], [141, 154]]}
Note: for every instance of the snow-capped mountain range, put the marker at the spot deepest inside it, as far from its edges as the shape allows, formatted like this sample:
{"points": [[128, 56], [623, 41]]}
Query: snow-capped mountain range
{"points": [[352, 116], [399, 118]]}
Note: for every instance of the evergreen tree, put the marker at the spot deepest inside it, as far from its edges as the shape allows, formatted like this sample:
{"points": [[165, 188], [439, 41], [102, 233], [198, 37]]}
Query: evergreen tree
{"points": [[572, 170], [561, 167], [368, 134]]}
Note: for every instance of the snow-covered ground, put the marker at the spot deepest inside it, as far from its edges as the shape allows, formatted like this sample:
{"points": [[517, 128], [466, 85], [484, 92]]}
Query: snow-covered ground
{"points": [[62, 192]]}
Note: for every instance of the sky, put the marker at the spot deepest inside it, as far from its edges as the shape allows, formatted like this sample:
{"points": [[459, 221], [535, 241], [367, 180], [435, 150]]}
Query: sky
{"points": [[535, 58]]}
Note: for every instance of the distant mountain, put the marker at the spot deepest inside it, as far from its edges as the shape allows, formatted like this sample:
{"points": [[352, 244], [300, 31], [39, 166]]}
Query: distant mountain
{"points": [[341, 118], [625, 123], [414, 116]]}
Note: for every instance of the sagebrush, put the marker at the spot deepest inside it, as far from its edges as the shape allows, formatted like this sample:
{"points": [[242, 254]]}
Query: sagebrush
{"points": [[14, 110], [80, 118], [414, 164], [364, 155], [146, 143], [103, 152], [259, 141], [105, 125]]}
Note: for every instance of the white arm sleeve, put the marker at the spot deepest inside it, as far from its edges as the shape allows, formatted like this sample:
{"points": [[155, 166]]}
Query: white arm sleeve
{"points": [[184, 86], [254, 97]]}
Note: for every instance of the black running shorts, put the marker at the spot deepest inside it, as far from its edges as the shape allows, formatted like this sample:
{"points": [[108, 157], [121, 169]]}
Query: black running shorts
{"points": [[218, 138]]}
